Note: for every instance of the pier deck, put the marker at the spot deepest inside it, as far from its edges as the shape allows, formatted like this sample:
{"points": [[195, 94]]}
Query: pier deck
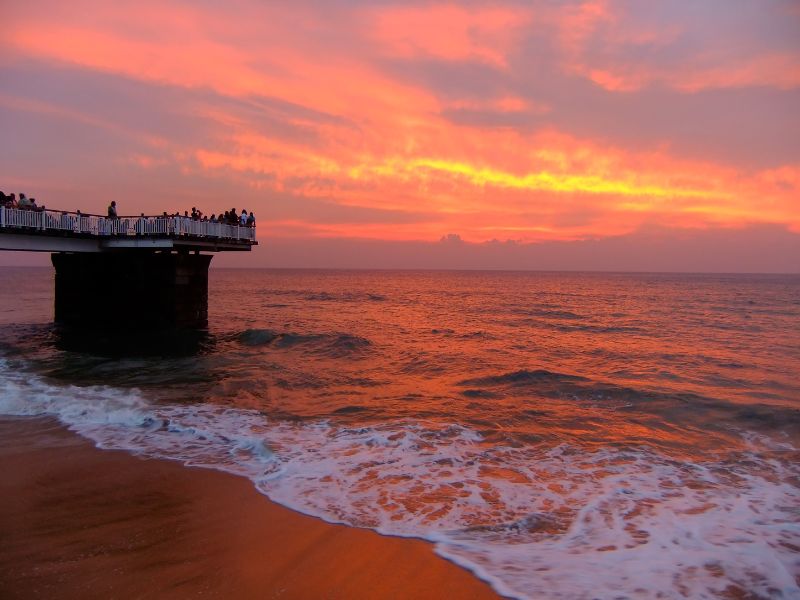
{"points": [[160, 265], [61, 231]]}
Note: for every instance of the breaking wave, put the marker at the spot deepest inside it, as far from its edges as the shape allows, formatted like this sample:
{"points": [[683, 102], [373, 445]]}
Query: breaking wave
{"points": [[536, 521]]}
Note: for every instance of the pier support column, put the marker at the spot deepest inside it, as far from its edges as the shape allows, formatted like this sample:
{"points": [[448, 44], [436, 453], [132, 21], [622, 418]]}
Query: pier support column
{"points": [[131, 290]]}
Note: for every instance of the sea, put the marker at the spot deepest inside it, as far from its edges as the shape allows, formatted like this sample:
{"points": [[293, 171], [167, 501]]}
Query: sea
{"points": [[560, 435]]}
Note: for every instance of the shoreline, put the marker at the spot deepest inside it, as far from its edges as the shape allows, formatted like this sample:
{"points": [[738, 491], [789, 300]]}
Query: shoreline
{"points": [[80, 522]]}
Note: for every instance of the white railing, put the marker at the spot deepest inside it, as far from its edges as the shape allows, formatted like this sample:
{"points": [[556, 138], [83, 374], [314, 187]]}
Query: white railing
{"points": [[143, 226]]}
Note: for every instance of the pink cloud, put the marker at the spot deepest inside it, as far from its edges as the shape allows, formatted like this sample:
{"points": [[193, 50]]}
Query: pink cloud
{"points": [[449, 31], [629, 50]]}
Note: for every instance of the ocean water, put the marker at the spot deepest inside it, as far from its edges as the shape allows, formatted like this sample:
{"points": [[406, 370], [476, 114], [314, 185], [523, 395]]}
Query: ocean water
{"points": [[560, 435]]}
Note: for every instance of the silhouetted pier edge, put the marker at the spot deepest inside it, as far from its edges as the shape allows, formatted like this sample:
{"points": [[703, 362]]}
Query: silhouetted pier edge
{"points": [[128, 273]]}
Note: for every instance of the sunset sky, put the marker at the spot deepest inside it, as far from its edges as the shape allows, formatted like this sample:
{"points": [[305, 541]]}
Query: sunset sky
{"points": [[538, 134]]}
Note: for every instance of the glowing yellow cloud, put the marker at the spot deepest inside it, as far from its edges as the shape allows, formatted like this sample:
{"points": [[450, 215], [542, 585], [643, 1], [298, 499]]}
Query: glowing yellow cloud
{"points": [[557, 182]]}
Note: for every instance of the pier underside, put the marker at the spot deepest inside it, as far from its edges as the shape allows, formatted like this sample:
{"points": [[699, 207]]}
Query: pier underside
{"points": [[131, 290]]}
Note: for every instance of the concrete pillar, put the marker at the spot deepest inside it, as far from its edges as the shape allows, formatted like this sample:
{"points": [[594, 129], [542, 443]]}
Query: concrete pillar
{"points": [[135, 290]]}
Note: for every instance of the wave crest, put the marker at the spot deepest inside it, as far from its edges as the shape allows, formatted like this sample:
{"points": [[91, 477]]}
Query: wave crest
{"points": [[332, 345], [522, 377]]}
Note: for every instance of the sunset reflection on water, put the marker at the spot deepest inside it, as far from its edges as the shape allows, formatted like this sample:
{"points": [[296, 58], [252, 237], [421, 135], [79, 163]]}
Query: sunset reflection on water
{"points": [[562, 435]]}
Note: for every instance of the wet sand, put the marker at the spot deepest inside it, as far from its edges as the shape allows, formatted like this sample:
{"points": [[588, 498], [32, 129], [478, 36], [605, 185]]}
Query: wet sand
{"points": [[77, 522]]}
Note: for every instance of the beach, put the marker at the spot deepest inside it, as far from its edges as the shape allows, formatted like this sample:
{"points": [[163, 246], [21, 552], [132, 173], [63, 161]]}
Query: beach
{"points": [[553, 435], [79, 522]]}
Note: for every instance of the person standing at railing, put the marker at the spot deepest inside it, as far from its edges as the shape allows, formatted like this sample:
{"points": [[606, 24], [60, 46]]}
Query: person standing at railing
{"points": [[251, 220], [112, 225]]}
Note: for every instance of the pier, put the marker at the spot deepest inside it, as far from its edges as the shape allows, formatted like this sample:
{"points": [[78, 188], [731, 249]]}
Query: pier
{"points": [[125, 273]]}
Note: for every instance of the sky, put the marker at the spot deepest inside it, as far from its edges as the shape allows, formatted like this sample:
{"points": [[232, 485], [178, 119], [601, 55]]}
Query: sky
{"points": [[523, 135]]}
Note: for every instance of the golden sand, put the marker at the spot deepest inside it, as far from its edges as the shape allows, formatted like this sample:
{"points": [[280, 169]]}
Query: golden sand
{"points": [[77, 522]]}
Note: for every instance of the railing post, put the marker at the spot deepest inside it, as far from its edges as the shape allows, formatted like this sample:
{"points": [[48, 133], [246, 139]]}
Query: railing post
{"points": [[2, 216]]}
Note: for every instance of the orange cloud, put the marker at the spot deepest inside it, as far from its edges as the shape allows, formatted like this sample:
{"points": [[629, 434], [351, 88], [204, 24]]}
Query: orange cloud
{"points": [[449, 32], [352, 133], [525, 193], [190, 57], [778, 71], [503, 104], [623, 53]]}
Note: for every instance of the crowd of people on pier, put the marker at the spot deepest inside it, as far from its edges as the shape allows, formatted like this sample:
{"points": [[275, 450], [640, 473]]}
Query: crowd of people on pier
{"points": [[114, 224], [228, 217], [21, 203], [179, 223]]}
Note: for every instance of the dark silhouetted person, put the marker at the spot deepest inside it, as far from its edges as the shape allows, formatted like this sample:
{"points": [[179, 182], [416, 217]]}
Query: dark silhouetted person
{"points": [[112, 210]]}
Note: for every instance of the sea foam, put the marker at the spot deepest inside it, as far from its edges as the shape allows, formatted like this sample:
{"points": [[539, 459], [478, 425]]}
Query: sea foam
{"points": [[553, 521]]}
